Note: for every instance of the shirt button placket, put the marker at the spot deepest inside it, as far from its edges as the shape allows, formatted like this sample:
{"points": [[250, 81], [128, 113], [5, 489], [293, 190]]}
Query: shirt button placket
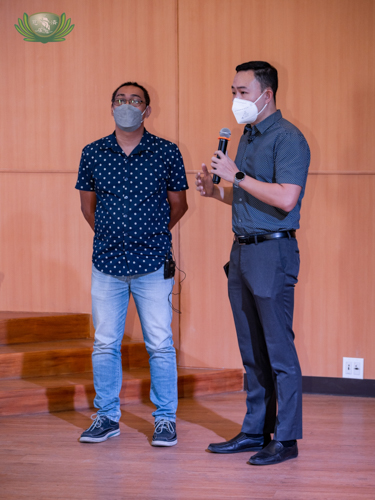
{"points": [[125, 202]]}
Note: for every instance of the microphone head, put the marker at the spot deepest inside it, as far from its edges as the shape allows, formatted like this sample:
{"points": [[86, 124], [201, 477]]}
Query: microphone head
{"points": [[225, 132]]}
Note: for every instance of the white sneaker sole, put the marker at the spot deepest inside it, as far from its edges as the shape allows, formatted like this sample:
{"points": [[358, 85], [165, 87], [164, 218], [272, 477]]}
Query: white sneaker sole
{"points": [[87, 439], [164, 443]]}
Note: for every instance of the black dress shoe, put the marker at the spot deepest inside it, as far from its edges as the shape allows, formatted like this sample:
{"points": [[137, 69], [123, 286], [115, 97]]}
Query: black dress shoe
{"points": [[274, 453], [242, 442]]}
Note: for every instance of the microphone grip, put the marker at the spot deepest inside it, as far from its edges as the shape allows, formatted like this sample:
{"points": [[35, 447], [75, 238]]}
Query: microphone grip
{"points": [[216, 179], [223, 143]]}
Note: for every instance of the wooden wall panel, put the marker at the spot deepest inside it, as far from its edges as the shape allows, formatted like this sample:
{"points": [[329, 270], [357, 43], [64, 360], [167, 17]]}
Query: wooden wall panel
{"points": [[57, 101], [335, 316], [207, 335], [324, 52], [185, 52], [45, 259], [59, 94]]}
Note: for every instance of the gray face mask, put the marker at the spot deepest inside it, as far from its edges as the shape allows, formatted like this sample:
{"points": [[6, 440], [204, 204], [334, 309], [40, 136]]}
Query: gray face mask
{"points": [[128, 118]]}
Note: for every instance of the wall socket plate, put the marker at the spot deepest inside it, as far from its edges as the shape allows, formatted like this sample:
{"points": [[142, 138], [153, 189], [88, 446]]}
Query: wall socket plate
{"points": [[352, 368]]}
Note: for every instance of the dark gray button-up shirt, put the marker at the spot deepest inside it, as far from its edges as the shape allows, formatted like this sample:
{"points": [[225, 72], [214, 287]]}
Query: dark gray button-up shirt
{"points": [[274, 150]]}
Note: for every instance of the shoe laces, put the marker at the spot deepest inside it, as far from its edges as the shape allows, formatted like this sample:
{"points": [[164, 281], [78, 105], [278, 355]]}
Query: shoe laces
{"points": [[163, 424], [97, 421]]}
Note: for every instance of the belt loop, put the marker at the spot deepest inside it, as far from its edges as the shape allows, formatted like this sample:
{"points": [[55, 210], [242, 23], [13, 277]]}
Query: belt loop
{"points": [[255, 239], [289, 236]]}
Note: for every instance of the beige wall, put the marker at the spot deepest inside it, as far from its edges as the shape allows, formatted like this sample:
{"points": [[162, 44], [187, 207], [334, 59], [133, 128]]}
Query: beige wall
{"points": [[56, 99]]}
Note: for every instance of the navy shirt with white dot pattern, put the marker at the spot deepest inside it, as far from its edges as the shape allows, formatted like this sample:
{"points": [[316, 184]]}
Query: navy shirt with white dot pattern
{"points": [[132, 210], [274, 150]]}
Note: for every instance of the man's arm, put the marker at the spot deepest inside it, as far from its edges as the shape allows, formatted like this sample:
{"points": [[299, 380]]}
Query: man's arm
{"points": [[88, 205], [177, 202], [207, 188], [283, 196]]}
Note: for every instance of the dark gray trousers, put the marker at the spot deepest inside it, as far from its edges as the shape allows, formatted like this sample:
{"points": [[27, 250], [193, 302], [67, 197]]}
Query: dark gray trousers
{"points": [[261, 291]]}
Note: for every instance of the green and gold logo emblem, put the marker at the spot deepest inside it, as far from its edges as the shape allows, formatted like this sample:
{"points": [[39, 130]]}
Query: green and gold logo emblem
{"points": [[44, 27]]}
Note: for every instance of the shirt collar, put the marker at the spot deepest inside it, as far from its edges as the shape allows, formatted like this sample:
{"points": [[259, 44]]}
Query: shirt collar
{"points": [[147, 143], [264, 125]]}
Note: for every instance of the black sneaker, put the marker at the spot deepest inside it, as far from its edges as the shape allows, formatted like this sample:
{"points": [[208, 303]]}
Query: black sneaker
{"points": [[100, 430], [165, 433]]}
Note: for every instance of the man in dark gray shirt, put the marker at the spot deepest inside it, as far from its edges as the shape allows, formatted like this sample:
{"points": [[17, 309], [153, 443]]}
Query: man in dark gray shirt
{"points": [[269, 176]]}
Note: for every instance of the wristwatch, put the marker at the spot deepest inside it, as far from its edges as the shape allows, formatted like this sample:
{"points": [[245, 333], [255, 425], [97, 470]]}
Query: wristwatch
{"points": [[239, 177]]}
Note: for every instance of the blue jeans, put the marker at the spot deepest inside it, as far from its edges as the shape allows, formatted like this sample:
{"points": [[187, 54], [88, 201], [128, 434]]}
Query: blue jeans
{"points": [[110, 299]]}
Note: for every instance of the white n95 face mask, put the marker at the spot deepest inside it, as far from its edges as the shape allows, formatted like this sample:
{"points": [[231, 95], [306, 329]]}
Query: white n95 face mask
{"points": [[246, 111]]}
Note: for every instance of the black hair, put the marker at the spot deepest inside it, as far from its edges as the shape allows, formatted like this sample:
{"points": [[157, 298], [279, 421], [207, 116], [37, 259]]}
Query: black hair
{"points": [[133, 84], [263, 72]]}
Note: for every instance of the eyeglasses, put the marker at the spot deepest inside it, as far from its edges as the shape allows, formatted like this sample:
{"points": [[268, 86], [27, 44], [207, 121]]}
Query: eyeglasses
{"points": [[132, 102]]}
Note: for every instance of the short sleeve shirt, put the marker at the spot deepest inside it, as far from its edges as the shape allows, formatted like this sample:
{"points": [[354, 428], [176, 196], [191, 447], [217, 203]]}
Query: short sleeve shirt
{"points": [[273, 151], [132, 210]]}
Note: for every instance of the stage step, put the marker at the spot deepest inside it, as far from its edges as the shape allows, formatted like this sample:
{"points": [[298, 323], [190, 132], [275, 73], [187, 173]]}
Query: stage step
{"points": [[43, 359], [45, 365], [76, 392], [22, 327]]}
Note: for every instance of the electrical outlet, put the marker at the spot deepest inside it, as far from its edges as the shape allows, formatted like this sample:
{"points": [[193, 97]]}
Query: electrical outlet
{"points": [[352, 368]]}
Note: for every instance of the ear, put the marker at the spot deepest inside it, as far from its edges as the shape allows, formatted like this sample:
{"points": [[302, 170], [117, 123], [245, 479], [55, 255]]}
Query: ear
{"points": [[148, 111], [269, 94], [112, 108]]}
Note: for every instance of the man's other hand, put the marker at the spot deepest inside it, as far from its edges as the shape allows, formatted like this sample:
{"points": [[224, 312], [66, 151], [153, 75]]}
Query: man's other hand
{"points": [[204, 183]]}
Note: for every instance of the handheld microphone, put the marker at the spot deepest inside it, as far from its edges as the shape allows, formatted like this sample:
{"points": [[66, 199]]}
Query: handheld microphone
{"points": [[224, 137]]}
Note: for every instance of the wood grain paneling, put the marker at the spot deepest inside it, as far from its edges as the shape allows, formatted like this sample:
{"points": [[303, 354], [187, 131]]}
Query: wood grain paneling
{"points": [[58, 95], [185, 52], [21, 328], [58, 100], [323, 52], [76, 391], [41, 458], [335, 316], [45, 359], [207, 334], [46, 261]]}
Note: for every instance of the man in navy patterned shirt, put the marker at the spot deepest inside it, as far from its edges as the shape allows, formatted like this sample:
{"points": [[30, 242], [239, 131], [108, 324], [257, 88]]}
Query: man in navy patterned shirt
{"points": [[269, 176], [133, 191]]}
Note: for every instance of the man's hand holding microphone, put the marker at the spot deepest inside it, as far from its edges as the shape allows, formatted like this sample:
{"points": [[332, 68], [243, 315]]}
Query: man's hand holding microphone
{"points": [[222, 167]]}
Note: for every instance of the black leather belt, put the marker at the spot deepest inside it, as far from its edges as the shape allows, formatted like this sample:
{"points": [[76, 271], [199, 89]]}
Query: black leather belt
{"points": [[258, 238]]}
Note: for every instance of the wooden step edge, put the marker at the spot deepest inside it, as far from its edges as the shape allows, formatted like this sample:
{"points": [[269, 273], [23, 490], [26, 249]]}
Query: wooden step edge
{"points": [[55, 345], [45, 363], [40, 328], [202, 383], [71, 360], [5, 315], [70, 396]]}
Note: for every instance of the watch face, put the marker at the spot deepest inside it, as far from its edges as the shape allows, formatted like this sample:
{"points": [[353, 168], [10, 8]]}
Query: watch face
{"points": [[240, 176]]}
